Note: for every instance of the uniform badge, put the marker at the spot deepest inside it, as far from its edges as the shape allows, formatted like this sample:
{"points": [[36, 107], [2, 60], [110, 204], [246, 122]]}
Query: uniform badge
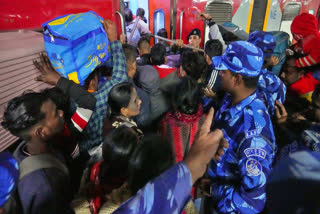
{"points": [[253, 167]]}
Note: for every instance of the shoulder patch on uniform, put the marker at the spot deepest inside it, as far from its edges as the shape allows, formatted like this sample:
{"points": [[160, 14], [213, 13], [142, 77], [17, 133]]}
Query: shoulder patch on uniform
{"points": [[253, 167], [249, 152], [251, 133]]}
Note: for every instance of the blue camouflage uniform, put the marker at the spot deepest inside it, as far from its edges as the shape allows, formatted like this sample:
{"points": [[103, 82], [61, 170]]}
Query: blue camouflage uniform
{"points": [[9, 176], [239, 178], [270, 87], [168, 193]]}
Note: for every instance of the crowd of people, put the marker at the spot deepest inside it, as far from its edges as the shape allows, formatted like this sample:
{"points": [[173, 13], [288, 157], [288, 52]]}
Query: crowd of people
{"points": [[171, 129]]}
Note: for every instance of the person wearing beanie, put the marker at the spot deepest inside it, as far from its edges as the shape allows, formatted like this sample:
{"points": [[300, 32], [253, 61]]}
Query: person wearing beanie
{"points": [[9, 175], [238, 180], [304, 29], [270, 86]]}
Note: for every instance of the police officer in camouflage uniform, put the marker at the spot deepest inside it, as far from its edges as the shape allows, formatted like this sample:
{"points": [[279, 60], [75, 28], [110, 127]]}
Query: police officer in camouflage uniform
{"points": [[238, 180]]}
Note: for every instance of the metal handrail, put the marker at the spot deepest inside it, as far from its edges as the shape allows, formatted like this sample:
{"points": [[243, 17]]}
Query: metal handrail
{"points": [[133, 29], [123, 28], [181, 19], [174, 42]]}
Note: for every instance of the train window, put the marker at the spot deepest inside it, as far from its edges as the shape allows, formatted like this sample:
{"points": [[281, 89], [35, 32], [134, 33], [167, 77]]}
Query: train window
{"points": [[158, 21], [290, 10], [221, 12]]}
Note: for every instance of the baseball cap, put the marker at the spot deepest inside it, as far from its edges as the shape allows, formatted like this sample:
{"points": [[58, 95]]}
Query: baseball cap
{"points": [[196, 32], [263, 40], [240, 57]]}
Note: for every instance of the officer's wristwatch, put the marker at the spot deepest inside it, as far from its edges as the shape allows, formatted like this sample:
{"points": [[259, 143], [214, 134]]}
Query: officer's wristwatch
{"points": [[210, 21]]}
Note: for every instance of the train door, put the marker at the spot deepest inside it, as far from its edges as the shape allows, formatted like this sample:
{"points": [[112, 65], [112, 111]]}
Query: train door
{"points": [[159, 16], [220, 11], [187, 18]]}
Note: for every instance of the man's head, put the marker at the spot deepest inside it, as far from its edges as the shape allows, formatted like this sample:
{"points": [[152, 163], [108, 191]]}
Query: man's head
{"points": [[163, 33], [239, 66], [91, 83], [33, 115], [212, 48], [266, 42], [158, 54], [128, 15], [130, 53], [194, 38], [140, 12], [290, 73], [144, 46], [193, 64]]}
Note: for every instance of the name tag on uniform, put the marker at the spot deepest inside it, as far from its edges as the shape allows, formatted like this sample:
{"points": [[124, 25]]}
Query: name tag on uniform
{"points": [[249, 152]]}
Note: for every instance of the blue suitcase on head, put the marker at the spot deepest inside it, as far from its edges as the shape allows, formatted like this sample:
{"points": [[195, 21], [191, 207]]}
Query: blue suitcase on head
{"points": [[283, 42], [76, 44]]}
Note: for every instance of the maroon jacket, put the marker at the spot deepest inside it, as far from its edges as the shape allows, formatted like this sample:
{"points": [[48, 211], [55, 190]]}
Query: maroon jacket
{"points": [[180, 130]]}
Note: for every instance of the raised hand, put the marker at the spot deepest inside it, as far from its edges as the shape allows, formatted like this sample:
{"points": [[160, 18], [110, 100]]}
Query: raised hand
{"points": [[48, 73], [205, 16], [123, 39], [280, 112], [110, 29], [209, 93], [179, 43]]}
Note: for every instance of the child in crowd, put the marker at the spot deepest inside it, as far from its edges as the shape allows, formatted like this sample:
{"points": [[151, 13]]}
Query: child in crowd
{"points": [[305, 31]]}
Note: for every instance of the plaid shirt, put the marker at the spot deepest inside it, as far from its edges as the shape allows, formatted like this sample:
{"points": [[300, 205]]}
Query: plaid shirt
{"points": [[93, 131]]}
